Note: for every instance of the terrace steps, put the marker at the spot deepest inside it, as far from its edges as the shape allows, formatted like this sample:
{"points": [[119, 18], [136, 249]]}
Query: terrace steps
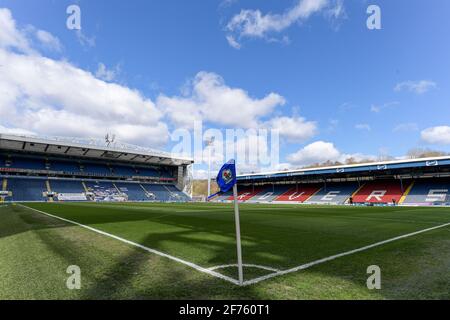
{"points": [[408, 190]]}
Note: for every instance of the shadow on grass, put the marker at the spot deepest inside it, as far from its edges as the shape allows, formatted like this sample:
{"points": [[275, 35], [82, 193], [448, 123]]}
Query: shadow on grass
{"points": [[408, 266]]}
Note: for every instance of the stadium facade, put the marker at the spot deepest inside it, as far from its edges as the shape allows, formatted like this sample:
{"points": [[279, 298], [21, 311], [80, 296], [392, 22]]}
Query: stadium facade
{"points": [[414, 182], [61, 169]]}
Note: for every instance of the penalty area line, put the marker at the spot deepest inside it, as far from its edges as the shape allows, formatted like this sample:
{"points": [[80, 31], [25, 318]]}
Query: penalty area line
{"points": [[343, 254], [159, 253]]}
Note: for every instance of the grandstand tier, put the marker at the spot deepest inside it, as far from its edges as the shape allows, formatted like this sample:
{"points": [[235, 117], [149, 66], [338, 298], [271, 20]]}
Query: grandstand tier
{"points": [[34, 169], [298, 193], [429, 191], [392, 191], [423, 181], [335, 193]]}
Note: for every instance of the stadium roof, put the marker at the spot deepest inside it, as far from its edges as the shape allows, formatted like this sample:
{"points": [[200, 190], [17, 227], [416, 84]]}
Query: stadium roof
{"points": [[375, 167], [89, 149]]}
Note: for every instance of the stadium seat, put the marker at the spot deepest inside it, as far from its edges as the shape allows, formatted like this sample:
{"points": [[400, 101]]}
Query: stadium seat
{"points": [[24, 189], [133, 190], [267, 194], [103, 190], [27, 163], [147, 172], [335, 193], [96, 169], [64, 166], [247, 193], [385, 191], [66, 186], [298, 194], [124, 171], [429, 192]]}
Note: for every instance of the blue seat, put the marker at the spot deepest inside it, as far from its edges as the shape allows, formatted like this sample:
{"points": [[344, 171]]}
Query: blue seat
{"points": [[97, 169], [24, 189], [28, 163], [66, 186], [124, 171], [133, 190], [64, 166]]}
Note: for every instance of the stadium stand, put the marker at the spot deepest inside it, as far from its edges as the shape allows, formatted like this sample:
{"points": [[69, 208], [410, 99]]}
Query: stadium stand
{"points": [[269, 194], [104, 191], [25, 189], [66, 186], [247, 193], [65, 166], [134, 191], [175, 194], [96, 169], [388, 191], [26, 163], [429, 192], [124, 171], [163, 192], [298, 193], [40, 169], [423, 181], [147, 172], [334, 193]]}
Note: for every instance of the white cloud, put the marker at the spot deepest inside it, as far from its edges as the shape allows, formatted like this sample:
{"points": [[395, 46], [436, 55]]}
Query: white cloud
{"points": [[232, 42], [48, 40], [321, 151], [10, 36], [106, 74], [315, 152], [363, 126], [16, 131], [84, 40], [253, 23], [295, 129], [406, 127], [418, 87], [436, 135], [337, 10], [379, 108], [46, 96], [208, 98]]}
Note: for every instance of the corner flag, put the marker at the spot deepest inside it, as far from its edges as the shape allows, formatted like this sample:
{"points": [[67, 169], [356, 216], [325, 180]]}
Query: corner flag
{"points": [[226, 179]]}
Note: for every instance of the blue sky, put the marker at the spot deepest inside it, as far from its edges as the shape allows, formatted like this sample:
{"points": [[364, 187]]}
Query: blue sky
{"points": [[366, 92]]}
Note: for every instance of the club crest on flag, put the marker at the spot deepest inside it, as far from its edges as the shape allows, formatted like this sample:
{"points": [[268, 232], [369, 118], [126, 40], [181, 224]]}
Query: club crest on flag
{"points": [[227, 175], [226, 178]]}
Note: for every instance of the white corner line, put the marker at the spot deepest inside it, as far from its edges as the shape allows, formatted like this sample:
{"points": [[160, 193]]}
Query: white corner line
{"points": [[211, 271], [162, 254], [308, 265], [245, 265]]}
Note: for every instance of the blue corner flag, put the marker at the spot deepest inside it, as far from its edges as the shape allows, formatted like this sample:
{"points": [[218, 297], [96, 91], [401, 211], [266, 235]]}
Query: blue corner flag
{"points": [[226, 178]]}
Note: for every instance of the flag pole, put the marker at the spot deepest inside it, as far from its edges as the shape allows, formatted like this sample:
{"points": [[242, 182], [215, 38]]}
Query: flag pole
{"points": [[238, 234]]}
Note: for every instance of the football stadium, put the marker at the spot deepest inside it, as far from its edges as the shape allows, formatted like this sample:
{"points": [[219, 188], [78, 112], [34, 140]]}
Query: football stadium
{"points": [[306, 234], [232, 157]]}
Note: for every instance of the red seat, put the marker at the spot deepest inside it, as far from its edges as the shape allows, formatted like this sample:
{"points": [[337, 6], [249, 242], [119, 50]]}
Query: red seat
{"points": [[380, 192], [301, 194]]}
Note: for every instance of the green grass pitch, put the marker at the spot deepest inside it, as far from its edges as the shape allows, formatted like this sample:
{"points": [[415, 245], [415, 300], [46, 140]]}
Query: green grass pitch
{"points": [[36, 250]]}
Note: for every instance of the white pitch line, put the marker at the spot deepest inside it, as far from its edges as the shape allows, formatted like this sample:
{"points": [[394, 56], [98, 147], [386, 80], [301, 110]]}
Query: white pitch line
{"points": [[162, 254], [245, 265], [229, 279], [308, 265]]}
